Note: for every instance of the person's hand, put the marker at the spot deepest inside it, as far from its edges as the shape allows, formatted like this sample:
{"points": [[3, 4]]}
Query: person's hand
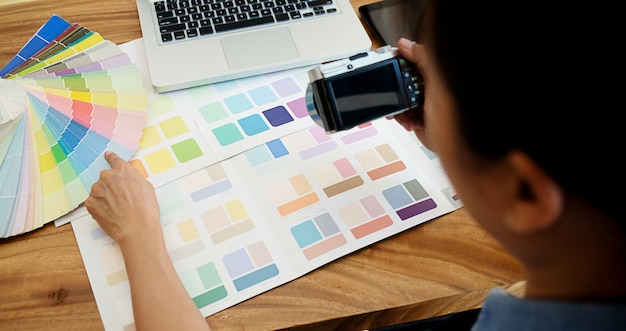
{"points": [[415, 119], [123, 203]]}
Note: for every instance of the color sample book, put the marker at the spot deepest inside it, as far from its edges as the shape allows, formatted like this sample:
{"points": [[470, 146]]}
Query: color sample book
{"points": [[192, 128], [253, 194], [270, 214], [65, 98]]}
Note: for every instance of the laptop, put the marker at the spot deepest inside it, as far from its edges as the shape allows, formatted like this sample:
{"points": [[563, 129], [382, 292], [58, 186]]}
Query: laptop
{"points": [[195, 42]]}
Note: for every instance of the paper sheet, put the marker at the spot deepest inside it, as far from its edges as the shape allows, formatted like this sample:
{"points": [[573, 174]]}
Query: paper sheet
{"points": [[257, 207]]}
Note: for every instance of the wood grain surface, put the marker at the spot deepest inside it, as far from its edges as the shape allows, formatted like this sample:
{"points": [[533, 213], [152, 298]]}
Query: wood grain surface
{"points": [[442, 266]]}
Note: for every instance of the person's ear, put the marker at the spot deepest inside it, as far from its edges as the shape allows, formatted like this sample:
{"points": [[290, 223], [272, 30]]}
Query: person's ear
{"points": [[538, 198]]}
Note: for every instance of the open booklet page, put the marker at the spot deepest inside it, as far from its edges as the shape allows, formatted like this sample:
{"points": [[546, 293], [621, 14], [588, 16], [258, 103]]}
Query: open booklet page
{"points": [[253, 194]]}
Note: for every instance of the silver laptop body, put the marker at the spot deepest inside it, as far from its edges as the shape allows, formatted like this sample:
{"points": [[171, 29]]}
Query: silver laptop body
{"points": [[318, 31]]}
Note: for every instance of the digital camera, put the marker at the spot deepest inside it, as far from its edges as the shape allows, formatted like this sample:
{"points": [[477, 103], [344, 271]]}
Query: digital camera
{"points": [[349, 92]]}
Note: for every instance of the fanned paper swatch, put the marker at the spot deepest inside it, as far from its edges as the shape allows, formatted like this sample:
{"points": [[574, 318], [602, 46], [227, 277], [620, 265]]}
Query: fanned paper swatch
{"points": [[65, 98]]}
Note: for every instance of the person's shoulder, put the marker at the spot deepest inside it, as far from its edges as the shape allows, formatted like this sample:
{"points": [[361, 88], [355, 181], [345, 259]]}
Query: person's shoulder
{"points": [[505, 311]]}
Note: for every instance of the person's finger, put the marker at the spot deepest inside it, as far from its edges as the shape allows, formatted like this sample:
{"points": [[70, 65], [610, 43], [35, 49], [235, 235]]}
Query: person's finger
{"points": [[113, 159], [405, 47]]}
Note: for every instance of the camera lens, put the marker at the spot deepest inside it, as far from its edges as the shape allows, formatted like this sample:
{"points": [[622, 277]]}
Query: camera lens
{"points": [[310, 106]]}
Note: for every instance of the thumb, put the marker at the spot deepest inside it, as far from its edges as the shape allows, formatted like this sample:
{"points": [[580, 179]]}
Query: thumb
{"points": [[405, 47]]}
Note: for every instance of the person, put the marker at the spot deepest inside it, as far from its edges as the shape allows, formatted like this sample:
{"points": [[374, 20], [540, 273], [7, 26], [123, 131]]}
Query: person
{"points": [[529, 141], [519, 110]]}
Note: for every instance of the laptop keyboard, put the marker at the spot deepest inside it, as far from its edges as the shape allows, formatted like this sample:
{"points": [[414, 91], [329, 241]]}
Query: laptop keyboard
{"points": [[184, 19]]}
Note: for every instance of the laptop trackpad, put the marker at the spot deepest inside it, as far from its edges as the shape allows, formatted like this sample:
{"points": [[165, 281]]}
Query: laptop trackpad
{"points": [[259, 48]]}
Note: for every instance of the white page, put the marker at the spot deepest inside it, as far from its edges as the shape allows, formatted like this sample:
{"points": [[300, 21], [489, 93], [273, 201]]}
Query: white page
{"points": [[274, 210]]}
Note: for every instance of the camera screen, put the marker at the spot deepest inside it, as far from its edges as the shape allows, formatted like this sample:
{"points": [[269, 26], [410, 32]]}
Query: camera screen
{"points": [[391, 19], [364, 95]]}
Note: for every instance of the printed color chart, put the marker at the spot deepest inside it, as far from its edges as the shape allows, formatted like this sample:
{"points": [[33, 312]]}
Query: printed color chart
{"points": [[253, 194], [275, 212], [190, 129]]}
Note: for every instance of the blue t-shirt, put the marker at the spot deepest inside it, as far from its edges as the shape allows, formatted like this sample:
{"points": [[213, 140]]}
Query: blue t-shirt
{"points": [[504, 311]]}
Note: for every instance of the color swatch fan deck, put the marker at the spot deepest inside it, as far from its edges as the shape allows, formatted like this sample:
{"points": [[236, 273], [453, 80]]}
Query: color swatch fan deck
{"points": [[65, 98]]}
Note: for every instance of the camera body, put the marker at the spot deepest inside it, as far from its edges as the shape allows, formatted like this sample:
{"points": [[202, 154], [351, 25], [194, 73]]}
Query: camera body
{"points": [[349, 92]]}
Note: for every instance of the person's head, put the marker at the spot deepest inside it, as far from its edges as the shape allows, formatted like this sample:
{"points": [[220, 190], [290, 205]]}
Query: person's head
{"points": [[524, 115]]}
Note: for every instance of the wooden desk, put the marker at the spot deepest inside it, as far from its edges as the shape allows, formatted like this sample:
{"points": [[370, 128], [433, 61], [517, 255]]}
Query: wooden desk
{"points": [[443, 266]]}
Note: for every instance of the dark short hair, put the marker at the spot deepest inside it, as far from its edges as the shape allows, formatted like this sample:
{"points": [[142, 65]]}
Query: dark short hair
{"points": [[542, 77]]}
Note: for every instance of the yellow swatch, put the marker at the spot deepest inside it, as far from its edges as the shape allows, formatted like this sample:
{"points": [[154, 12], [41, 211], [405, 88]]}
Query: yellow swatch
{"points": [[236, 210], [160, 161], [150, 137]]}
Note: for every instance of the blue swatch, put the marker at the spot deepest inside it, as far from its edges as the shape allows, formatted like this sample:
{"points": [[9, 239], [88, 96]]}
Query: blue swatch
{"points": [[50, 30], [262, 95], [238, 103], [258, 155], [397, 196], [306, 233], [278, 116], [277, 148], [253, 125]]}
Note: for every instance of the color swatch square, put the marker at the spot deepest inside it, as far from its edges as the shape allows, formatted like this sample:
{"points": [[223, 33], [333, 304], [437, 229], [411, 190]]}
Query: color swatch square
{"points": [[306, 233], [262, 95], [238, 103], [173, 127], [277, 148], [186, 150], [286, 87], [159, 161], [227, 134], [253, 124], [213, 112], [277, 116]]}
